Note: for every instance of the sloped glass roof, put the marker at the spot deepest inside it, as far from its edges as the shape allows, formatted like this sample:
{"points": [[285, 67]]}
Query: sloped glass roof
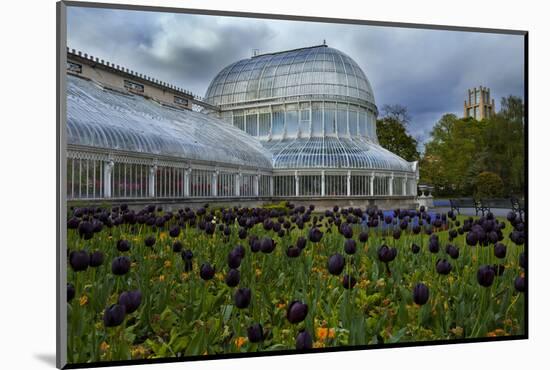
{"points": [[102, 118], [317, 70], [334, 153]]}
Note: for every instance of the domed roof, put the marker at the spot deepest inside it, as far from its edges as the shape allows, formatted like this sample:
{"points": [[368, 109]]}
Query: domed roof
{"points": [[312, 71], [334, 153], [107, 119]]}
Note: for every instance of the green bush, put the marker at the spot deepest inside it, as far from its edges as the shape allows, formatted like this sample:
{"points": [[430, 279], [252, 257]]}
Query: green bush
{"points": [[488, 185]]}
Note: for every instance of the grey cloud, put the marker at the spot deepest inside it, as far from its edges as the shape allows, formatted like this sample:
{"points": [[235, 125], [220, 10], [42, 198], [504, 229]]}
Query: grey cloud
{"points": [[427, 71]]}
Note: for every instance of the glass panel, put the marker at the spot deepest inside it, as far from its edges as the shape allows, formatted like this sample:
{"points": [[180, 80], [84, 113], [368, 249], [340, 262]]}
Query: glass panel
{"points": [[278, 122], [316, 119], [336, 185], [292, 123], [342, 120], [310, 185], [252, 124], [352, 123], [330, 118], [265, 123]]}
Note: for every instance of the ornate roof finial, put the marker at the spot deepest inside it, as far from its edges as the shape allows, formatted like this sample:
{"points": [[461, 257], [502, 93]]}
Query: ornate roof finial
{"points": [[324, 41]]}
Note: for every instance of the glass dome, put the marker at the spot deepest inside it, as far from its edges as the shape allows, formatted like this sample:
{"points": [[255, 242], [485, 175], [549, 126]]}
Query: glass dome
{"points": [[108, 119], [334, 153], [313, 71], [311, 108]]}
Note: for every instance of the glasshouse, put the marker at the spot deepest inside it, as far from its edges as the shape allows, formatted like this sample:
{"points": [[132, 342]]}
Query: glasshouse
{"points": [[295, 124]]}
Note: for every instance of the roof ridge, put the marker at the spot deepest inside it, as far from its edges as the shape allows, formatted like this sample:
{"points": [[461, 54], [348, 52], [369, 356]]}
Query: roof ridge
{"points": [[289, 50]]}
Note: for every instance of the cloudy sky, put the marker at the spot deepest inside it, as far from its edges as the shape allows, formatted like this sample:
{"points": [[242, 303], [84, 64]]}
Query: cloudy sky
{"points": [[428, 71]]}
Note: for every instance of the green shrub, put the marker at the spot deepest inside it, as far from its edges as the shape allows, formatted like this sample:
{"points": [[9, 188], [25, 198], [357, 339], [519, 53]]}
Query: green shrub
{"points": [[488, 185]]}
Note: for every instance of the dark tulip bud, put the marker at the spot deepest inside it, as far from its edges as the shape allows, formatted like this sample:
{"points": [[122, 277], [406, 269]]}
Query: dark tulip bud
{"points": [[433, 246], [403, 224], [130, 300], [348, 281], [226, 231], [421, 293], [396, 234], [114, 315], [452, 251], [281, 233], [443, 267], [293, 252], [234, 259], [315, 235], [416, 229], [471, 238], [519, 284], [296, 312], [500, 250], [415, 248], [73, 223], [239, 250], [177, 246], [175, 231], [388, 219], [301, 242], [123, 245], [187, 255], [346, 230], [86, 230], [485, 276], [336, 264], [233, 278], [303, 340], [255, 333], [349, 246], [267, 245], [511, 216], [363, 237], [386, 254], [96, 259], [207, 271], [522, 260], [70, 292], [120, 265], [209, 228], [150, 241], [242, 233], [79, 260], [242, 297], [255, 246]]}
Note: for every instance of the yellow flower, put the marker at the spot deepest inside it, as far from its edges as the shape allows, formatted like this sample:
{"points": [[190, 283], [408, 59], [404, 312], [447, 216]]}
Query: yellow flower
{"points": [[138, 351], [184, 275], [83, 300], [163, 236], [104, 347], [167, 264], [323, 333], [499, 332], [281, 305], [161, 278], [458, 331], [318, 344], [240, 341], [133, 264], [258, 272]]}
